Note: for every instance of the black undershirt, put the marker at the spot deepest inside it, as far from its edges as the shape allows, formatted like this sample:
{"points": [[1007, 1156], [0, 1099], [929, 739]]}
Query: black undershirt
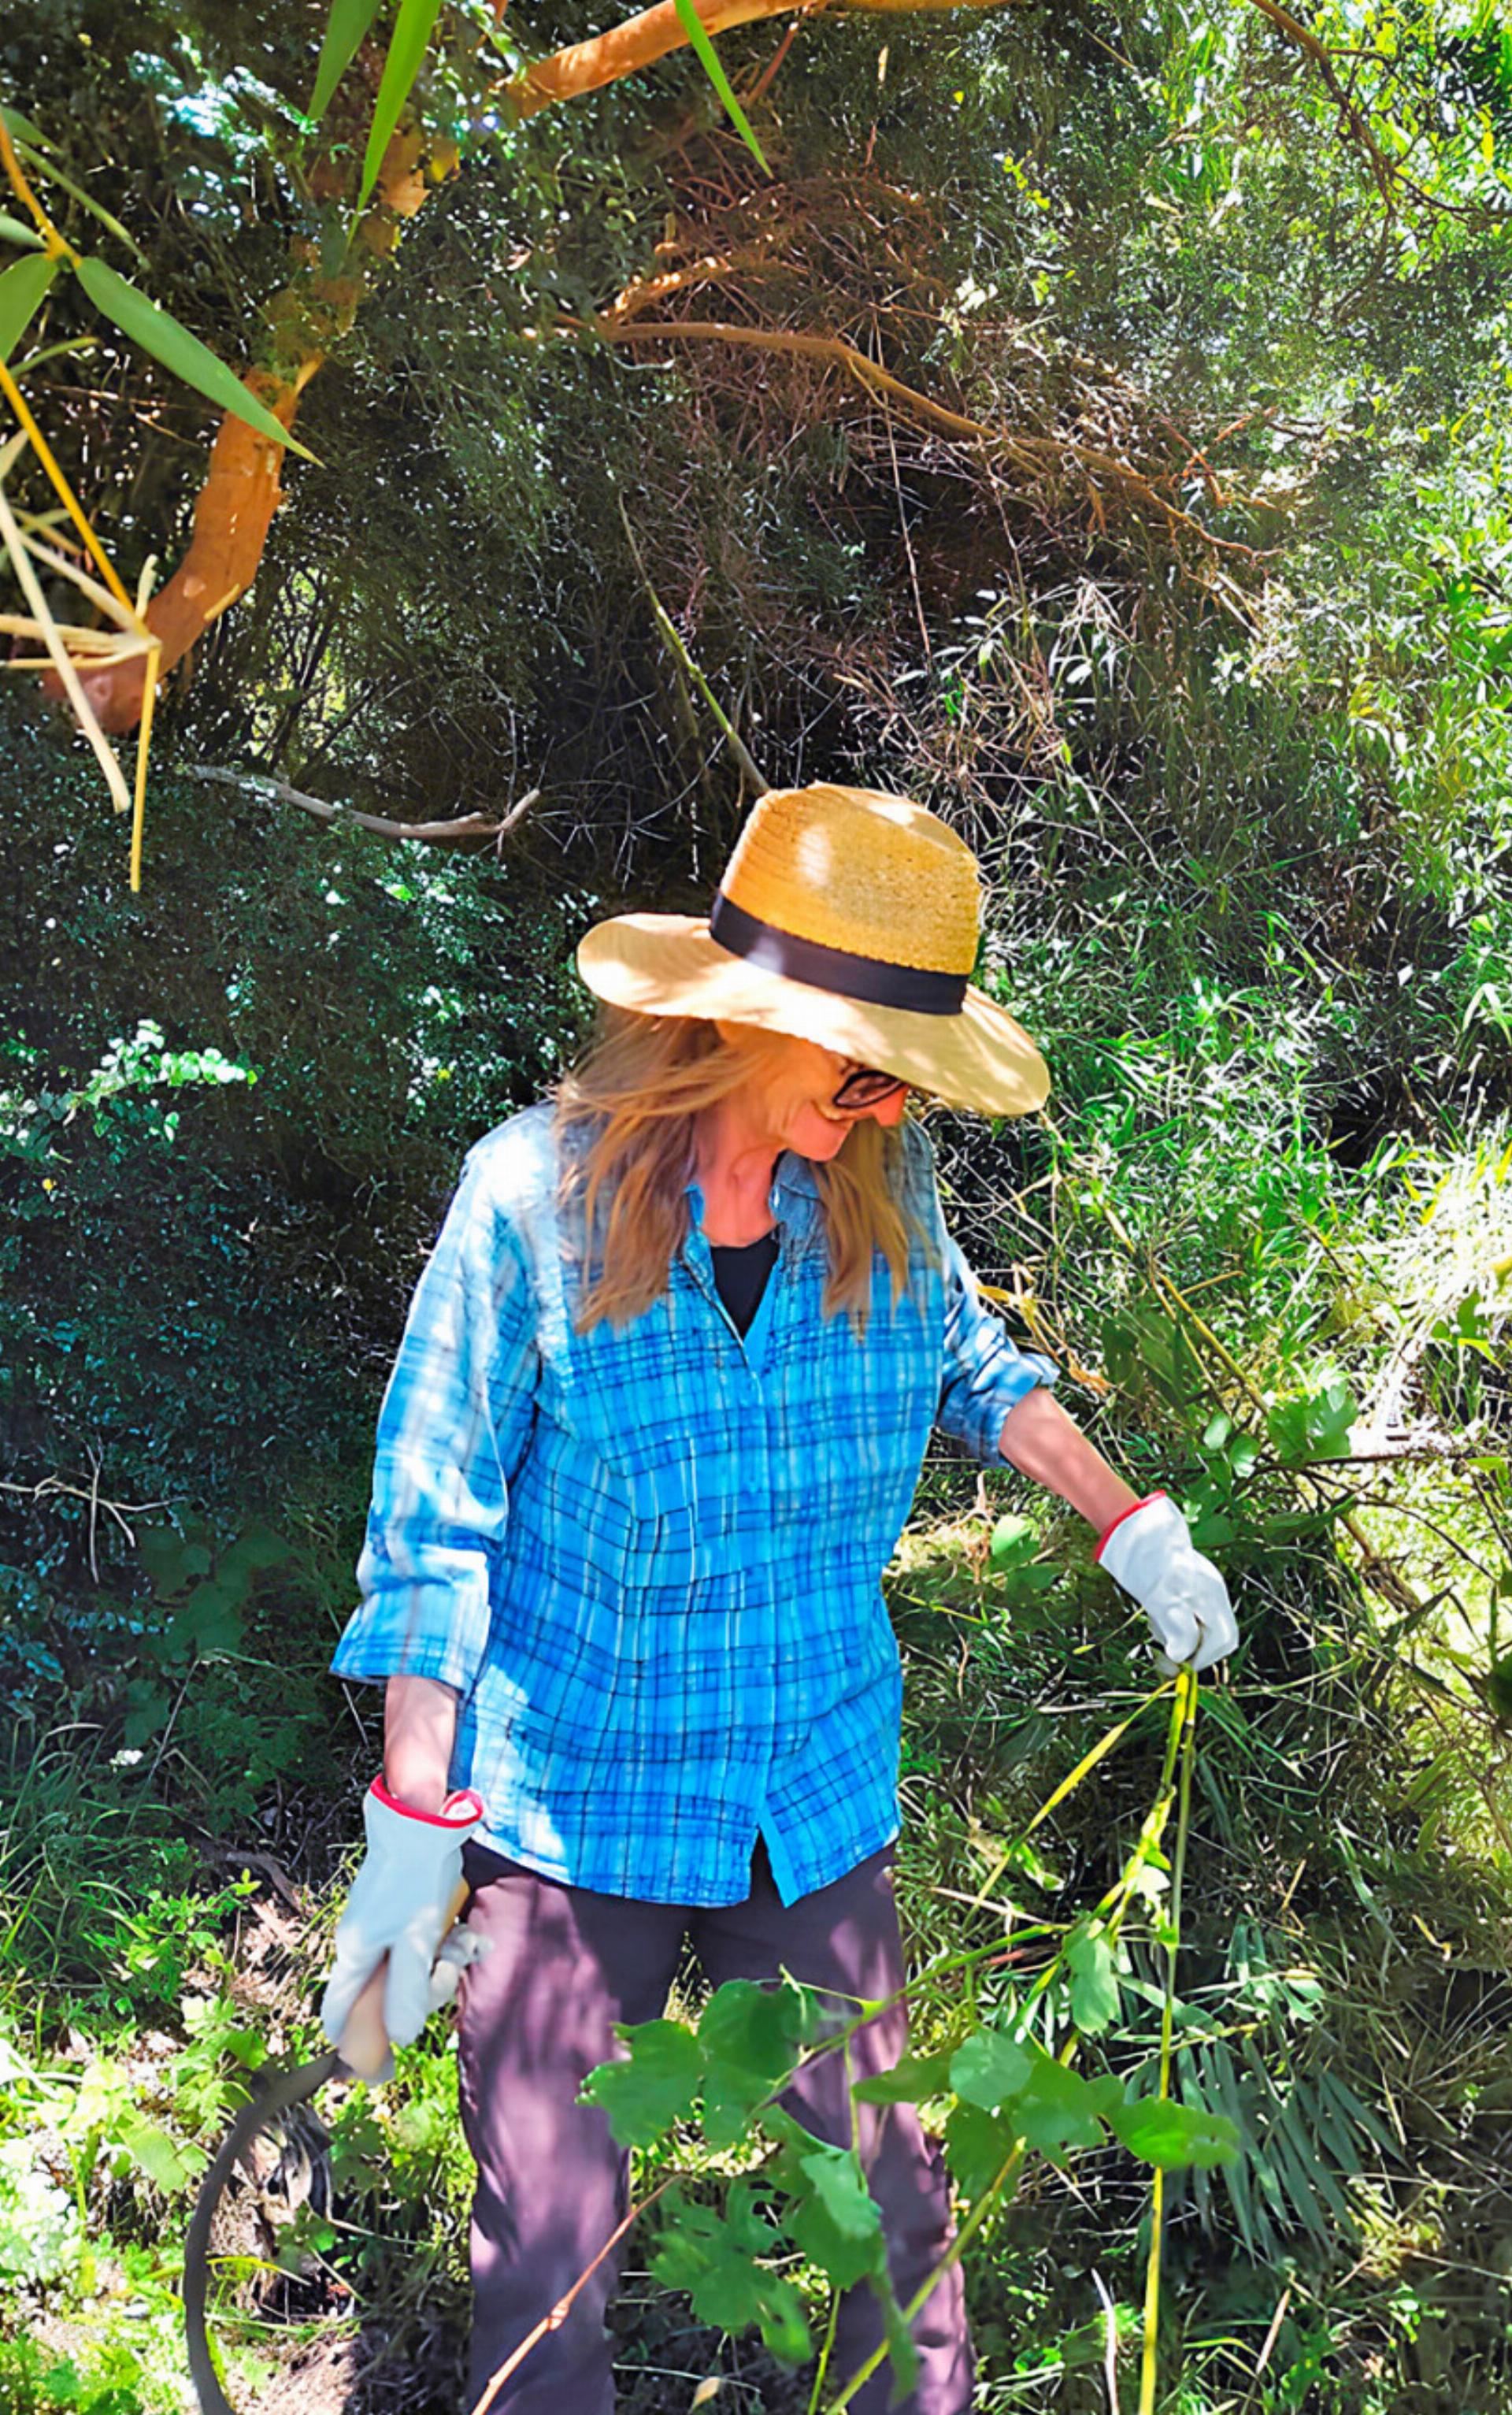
{"points": [[741, 1277]]}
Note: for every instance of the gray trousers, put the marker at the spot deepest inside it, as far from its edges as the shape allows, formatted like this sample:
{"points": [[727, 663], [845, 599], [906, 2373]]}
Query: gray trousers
{"points": [[538, 2012]]}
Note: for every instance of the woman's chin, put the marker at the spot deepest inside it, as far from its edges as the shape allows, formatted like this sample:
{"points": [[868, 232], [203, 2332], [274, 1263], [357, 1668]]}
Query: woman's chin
{"points": [[817, 1137]]}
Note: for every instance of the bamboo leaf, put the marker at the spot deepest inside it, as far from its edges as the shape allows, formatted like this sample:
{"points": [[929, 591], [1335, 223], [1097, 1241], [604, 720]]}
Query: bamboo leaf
{"points": [[408, 45], [693, 25], [345, 28], [128, 307], [21, 288], [16, 231], [21, 130]]}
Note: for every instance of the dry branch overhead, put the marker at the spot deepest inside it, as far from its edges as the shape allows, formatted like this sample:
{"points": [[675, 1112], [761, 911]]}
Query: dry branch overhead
{"points": [[448, 833], [642, 40], [1106, 476]]}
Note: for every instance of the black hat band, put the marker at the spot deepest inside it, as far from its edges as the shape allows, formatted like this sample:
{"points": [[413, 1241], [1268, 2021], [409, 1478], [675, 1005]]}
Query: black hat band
{"points": [[871, 978]]}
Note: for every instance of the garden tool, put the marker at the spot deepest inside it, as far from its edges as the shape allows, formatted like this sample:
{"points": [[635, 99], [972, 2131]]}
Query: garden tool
{"points": [[363, 2051]]}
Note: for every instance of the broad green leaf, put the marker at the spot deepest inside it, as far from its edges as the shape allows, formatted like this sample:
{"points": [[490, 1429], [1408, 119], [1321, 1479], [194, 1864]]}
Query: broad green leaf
{"points": [[1094, 1981], [17, 231], [842, 2259], [345, 28], [1057, 2108], [257, 1548], [21, 288], [652, 2087], [1172, 2135], [830, 2216], [840, 2186], [715, 2259], [408, 45], [914, 2077], [977, 2146], [128, 307], [146, 1708], [693, 25], [157, 2154], [989, 2069], [1316, 1427], [1013, 1540], [171, 1558], [749, 2037], [210, 1622]]}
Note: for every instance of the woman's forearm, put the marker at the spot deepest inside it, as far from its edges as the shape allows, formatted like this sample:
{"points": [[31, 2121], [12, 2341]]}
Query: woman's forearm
{"points": [[419, 1729], [1049, 1447]]}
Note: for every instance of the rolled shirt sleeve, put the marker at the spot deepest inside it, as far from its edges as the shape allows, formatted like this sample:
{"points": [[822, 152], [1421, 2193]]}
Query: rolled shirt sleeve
{"points": [[983, 1374], [455, 1420]]}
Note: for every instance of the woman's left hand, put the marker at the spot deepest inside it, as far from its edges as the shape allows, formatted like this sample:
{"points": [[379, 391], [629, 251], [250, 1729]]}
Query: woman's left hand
{"points": [[1149, 1551]]}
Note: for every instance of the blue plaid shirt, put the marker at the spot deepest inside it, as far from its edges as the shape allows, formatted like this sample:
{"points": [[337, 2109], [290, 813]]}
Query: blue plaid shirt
{"points": [[648, 1559]]}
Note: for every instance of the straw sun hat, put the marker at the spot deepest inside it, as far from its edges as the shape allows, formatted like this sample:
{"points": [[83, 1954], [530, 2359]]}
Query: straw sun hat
{"points": [[845, 917]]}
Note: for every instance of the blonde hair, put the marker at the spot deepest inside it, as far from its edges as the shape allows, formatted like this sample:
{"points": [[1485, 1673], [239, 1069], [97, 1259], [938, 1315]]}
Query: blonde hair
{"points": [[634, 1100]]}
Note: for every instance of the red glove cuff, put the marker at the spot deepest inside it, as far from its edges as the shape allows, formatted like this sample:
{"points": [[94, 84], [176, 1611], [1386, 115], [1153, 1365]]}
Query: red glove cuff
{"points": [[459, 1810], [1132, 1511]]}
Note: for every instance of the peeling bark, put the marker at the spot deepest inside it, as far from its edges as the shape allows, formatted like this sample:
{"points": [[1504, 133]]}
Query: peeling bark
{"points": [[585, 67], [232, 520], [242, 489]]}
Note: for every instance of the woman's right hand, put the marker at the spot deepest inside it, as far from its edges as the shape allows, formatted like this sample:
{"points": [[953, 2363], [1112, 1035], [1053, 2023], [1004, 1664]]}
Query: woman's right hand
{"points": [[401, 1905]]}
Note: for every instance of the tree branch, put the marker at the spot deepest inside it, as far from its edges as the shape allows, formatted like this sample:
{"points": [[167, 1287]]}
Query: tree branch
{"points": [[1034, 455], [465, 826], [604, 58]]}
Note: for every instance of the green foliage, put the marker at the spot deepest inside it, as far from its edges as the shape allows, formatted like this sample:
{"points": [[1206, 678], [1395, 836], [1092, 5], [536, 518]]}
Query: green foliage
{"points": [[346, 25], [744, 2047], [159, 333], [716, 2257], [414, 24], [22, 289], [215, 1208]]}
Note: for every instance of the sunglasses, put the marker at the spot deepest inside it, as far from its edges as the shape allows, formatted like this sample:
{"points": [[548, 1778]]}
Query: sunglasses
{"points": [[864, 1087]]}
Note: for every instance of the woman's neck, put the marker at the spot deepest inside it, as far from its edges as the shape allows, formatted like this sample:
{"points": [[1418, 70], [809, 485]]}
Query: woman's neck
{"points": [[735, 1156]]}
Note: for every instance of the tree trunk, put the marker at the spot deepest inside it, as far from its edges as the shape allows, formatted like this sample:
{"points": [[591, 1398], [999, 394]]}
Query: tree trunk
{"points": [[242, 490]]}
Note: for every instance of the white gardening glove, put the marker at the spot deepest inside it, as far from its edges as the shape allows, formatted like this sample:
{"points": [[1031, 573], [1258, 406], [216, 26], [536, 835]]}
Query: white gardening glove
{"points": [[400, 1905], [1148, 1551]]}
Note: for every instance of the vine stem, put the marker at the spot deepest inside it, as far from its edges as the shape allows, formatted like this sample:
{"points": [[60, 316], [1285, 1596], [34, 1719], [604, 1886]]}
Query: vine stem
{"points": [[560, 2312], [1178, 1741], [1149, 2369]]}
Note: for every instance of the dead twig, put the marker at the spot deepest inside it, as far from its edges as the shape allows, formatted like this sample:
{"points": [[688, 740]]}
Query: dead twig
{"points": [[464, 826]]}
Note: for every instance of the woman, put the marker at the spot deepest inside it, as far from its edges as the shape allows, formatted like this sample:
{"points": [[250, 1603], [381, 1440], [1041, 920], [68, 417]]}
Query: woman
{"points": [[654, 1428]]}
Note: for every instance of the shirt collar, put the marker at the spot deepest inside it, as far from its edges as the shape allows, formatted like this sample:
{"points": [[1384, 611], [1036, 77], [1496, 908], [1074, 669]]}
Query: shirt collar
{"points": [[794, 1198]]}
